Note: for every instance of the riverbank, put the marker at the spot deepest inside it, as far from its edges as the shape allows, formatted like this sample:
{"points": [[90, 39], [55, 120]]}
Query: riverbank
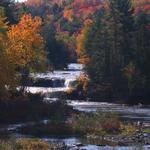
{"points": [[31, 107], [35, 144], [29, 144], [98, 129]]}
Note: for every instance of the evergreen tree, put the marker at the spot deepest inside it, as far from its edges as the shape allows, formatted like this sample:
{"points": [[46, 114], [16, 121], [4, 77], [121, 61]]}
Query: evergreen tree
{"points": [[119, 27], [57, 54], [142, 57], [97, 50], [108, 48]]}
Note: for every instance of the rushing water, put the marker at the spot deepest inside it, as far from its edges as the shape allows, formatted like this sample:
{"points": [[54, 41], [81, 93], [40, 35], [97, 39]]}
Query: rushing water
{"points": [[60, 81], [137, 113], [63, 80]]}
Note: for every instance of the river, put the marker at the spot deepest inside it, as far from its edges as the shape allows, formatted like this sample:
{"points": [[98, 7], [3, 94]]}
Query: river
{"points": [[60, 81]]}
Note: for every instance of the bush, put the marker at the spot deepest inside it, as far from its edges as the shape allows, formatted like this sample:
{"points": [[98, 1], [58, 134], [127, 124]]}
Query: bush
{"points": [[79, 88], [128, 129], [28, 144], [96, 123], [5, 145], [24, 144], [100, 124]]}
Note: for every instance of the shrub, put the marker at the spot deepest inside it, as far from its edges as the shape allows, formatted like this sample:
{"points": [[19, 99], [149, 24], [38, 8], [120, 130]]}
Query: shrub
{"points": [[5, 145], [128, 129], [24, 144], [96, 123], [28, 144]]}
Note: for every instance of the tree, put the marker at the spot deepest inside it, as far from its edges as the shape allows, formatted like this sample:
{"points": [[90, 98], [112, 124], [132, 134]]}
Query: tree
{"points": [[8, 76], [108, 47], [119, 26], [137, 72], [80, 42], [142, 59], [57, 54], [25, 46], [94, 51]]}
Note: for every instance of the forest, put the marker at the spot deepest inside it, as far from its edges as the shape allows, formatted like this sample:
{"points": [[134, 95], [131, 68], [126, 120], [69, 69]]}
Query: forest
{"points": [[111, 38], [74, 74]]}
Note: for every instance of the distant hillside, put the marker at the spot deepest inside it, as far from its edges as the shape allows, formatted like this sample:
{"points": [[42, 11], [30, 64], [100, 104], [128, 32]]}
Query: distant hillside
{"points": [[82, 9], [142, 5], [37, 3], [66, 13], [68, 16]]}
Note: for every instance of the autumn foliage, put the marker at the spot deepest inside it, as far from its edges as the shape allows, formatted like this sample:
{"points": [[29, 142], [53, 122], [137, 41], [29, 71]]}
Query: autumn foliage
{"points": [[141, 5], [24, 41], [81, 42], [82, 9], [21, 48]]}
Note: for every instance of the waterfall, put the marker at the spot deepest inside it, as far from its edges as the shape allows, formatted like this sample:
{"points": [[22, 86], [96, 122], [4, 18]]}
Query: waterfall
{"points": [[68, 82], [52, 83]]}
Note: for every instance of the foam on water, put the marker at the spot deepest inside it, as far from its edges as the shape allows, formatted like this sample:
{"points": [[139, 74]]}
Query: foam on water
{"points": [[68, 76], [74, 66], [127, 112], [45, 90]]}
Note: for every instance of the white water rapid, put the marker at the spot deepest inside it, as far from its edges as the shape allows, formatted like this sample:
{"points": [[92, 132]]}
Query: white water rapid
{"points": [[56, 81]]}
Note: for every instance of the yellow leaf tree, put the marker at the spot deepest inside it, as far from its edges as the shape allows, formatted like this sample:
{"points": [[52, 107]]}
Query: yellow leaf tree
{"points": [[25, 47], [25, 44]]}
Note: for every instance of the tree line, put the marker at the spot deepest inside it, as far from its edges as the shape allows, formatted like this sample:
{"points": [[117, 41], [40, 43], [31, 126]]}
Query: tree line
{"points": [[112, 39], [27, 44], [116, 51]]}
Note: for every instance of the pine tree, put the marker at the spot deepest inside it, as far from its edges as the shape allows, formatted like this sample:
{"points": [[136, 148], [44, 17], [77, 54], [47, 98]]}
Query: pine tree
{"points": [[108, 48], [142, 46], [97, 50], [120, 28]]}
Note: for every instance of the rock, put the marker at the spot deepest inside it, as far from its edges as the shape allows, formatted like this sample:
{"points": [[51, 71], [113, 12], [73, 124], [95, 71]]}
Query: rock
{"points": [[145, 135], [73, 147], [79, 144], [122, 144], [101, 145]]}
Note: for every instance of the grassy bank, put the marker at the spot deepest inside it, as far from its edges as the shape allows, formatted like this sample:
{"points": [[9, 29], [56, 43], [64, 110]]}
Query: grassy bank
{"points": [[98, 124], [100, 128], [28, 144]]}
